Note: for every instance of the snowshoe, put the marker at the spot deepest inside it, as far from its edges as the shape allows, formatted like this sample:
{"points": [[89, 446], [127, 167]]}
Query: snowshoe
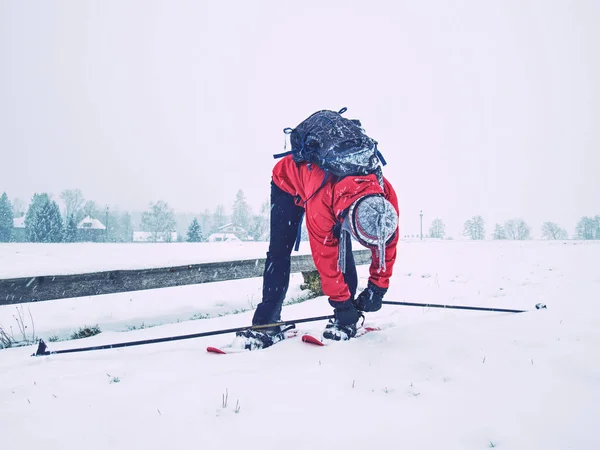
{"points": [[254, 339], [337, 332]]}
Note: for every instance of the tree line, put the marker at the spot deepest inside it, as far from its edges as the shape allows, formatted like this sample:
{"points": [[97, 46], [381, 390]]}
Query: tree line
{"points": [[588, 228], [45, 221]]}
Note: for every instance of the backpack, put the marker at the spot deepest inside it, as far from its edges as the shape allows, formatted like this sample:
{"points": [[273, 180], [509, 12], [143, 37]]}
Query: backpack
{"points": [[335, 144]]}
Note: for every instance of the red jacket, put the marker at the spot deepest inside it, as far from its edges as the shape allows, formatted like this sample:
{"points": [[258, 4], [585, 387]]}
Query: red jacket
{"points": [[323, 212]]}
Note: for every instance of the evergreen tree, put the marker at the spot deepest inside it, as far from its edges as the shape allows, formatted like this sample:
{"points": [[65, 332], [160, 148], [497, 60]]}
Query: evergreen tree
{"points": [[43, 222], [6, 218], [71, 229], [241, 211], [49, 223], [194, 233], [499, 232], [37, 203]]}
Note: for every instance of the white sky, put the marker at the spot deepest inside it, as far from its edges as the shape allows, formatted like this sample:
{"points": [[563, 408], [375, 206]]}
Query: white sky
{"points": [[480, 107]]}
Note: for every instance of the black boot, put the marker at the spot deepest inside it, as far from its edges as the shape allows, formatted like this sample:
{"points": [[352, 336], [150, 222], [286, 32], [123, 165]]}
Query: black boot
{"points": [[254, 339], [343, 325]]}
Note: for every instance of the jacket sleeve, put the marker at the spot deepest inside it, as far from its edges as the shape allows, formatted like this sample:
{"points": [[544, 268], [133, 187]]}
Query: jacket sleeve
{"points": [[324, 247], [286, 176], [382, 277]]}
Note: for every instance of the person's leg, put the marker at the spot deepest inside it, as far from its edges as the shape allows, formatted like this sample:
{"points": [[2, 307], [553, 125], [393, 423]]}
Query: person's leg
{"points": [[350, 275], [346, 314], [285, 219]]}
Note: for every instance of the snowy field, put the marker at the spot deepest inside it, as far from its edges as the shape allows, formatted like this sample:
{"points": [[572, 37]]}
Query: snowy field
{"points": [[432, 379], [25, 259]]}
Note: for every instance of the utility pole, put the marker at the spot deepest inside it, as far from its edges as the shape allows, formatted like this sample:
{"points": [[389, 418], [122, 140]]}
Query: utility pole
{"points": [[106, 225], [421, 224]]}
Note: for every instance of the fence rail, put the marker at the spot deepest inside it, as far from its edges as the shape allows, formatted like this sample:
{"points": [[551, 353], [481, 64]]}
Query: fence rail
{"points": [[54, 287]]}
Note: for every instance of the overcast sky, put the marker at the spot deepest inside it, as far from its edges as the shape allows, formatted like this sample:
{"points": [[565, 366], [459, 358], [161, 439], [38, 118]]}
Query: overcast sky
{"points": [[480, 107]]}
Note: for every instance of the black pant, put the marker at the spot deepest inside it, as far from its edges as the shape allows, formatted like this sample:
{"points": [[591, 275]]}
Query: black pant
{"points": [[285, 220]]}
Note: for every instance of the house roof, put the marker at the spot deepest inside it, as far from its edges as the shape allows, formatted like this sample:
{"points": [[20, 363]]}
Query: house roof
{"points": [[91, 224], [231, 225]]}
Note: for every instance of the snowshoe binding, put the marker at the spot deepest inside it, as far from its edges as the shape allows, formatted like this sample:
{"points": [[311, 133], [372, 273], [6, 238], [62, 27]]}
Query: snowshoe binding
{"points": [[338, 332], [254, 339]]}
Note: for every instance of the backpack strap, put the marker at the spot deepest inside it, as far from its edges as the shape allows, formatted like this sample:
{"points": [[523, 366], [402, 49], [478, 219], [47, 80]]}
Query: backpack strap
{"points": [[286, 131], [322, 184], [380, 156], [299, 233]]}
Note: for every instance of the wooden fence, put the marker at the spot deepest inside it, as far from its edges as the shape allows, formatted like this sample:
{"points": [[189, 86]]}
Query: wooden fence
{"points": [[50, 287]]}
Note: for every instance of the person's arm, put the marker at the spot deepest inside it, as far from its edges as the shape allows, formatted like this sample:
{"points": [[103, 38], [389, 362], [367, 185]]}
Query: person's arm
{"points": [[325, 247], [381, 277]]}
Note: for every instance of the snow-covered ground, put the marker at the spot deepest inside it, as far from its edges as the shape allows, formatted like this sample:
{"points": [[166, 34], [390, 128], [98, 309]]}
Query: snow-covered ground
{"points": [[431, 379], [25, 259]]}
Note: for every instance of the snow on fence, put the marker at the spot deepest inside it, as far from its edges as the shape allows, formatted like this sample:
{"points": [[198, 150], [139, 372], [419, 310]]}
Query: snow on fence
{"points": [[53, 287]]}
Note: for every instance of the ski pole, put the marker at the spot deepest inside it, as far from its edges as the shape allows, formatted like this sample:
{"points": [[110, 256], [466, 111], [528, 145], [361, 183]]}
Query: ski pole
{"points": [[43, 351], [471, 308]]}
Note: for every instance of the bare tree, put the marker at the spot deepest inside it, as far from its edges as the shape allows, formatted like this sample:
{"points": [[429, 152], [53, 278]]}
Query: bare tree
{"points": [[475, 228], [73, 199], [219, 217], [517, 229], [259, 227], [588, 228], [91, 209], [206, 220], [159, 221], [437, 229], [125, 228], [18, 207], [551, 230]]}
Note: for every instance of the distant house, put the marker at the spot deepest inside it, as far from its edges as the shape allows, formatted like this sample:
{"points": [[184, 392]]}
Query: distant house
{"points": [[18, 233], [91, 224], [91, 230], [149, 236], [223, 237], [232, 228]]}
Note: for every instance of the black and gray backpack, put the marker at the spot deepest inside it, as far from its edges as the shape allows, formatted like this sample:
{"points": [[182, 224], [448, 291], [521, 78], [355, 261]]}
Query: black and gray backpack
{"points": [[337, 145]]}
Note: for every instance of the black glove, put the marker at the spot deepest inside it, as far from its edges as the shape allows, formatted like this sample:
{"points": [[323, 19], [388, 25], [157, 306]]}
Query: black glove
{"points": [[370, 299]]}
